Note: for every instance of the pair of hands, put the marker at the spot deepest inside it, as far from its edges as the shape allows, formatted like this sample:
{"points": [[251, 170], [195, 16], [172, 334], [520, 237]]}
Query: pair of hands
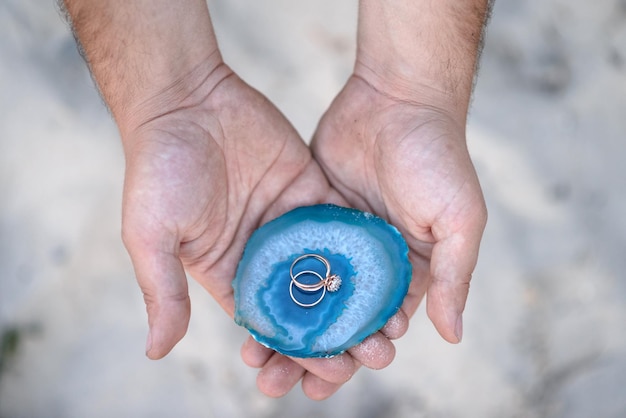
{"points": [[201, 177]]}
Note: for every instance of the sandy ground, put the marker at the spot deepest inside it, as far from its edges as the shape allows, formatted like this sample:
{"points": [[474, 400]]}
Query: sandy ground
{"points": [[545, 321]]}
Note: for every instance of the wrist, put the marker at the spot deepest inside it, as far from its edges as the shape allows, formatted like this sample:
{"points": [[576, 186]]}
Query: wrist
{"points": [[184, 90], [421, 51], [138, 50], [414, 89]]}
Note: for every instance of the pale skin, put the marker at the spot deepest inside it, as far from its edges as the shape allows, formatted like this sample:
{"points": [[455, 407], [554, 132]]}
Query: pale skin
{"points": [[209, 159]]}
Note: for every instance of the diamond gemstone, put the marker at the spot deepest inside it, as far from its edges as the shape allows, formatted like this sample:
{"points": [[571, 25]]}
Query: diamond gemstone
{"points": [[333, 283]]}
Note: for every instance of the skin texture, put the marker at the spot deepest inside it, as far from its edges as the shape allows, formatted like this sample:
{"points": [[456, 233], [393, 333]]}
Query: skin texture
{"points": [[209, 159], [411, 166], [199, 180]]}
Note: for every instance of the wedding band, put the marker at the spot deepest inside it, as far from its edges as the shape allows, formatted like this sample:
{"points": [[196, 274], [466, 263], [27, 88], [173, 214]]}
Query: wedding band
{"points": [[308, 287], [316, 256], [330, 282], [307, 305]]}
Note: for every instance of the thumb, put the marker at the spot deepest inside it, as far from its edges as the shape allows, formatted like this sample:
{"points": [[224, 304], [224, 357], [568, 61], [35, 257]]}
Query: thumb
{"points": [[162, 280], [452, 263]]}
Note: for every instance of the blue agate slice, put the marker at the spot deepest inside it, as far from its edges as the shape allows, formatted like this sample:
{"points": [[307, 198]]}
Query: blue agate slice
{"points": [[369, 255]]}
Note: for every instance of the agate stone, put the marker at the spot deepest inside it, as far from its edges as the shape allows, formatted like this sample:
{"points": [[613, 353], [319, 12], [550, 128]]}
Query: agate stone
{"points": [[369, 255]]}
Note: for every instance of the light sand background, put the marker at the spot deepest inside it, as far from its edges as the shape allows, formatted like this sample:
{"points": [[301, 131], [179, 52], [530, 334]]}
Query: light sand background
{"points": [[545, 326]]}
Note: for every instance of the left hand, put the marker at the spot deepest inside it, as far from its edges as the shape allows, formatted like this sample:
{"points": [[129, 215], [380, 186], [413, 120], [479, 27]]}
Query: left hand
{"points": [[408, 163]]}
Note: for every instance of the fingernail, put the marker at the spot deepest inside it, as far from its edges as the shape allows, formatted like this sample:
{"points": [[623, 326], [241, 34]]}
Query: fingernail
{"points": [[458, 329], [149, 342]]}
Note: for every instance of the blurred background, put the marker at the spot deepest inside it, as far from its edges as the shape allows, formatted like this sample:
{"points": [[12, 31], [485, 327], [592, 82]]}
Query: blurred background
{"points": [[545, 332]]}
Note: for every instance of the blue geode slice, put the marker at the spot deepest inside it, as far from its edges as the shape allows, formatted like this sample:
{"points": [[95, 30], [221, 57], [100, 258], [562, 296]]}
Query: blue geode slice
{"points": [[369, 255]]}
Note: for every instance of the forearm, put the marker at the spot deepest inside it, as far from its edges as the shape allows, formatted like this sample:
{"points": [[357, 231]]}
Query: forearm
{"points": [[421, 50], [140, 49]]}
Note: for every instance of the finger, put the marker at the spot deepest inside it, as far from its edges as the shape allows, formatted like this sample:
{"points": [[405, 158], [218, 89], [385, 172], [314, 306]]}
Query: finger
{"points": [[318, 389], [164, 286], [162, 280], [279, 375], [396, 326], [337, 369], [375, 352], [254, 354], [453, 260]]}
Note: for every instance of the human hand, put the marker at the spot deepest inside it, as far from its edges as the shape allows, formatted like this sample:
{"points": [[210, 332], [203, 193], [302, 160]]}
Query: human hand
{"points": [[408, 163], [199, 179]]}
